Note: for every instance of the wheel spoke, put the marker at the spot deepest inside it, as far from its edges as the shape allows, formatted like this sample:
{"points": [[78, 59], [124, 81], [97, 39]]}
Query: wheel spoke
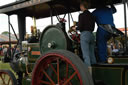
{"points": [[9, 81], [58, 73], [2, 79], [48, 77], [70, 78], [45, 82], [70, 83], [67, 70], [53, 68], [4, 76]]}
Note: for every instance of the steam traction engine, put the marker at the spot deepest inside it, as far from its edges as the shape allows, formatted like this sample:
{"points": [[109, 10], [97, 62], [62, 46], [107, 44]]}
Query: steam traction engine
{"points": [[55, 65], [50, 57]]}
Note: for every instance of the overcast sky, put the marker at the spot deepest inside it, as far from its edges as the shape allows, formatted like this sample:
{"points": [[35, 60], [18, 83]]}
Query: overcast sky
{"points": [[42, 23]]}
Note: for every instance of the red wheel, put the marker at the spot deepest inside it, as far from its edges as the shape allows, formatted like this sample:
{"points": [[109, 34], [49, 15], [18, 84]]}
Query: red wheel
{"points": [[7, 78], [60, 68]]}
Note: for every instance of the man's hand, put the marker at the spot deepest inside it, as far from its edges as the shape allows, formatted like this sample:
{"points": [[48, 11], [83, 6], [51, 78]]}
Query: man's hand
{"points": [[114, 10]]}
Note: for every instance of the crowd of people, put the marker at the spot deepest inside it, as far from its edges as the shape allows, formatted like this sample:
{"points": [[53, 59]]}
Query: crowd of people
{"points": [[5, 49], [115, 47]]}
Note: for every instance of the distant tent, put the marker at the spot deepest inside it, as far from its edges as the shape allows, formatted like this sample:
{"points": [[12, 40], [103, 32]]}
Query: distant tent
{"points": [[4, 38], [122, 29]]}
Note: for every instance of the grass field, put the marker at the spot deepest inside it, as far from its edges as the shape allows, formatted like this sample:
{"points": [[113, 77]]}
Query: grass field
{"points": [[1, 57], [5, 66]]}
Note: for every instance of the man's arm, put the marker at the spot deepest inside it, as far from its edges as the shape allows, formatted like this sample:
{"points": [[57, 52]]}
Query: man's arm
{"points": [[113, 9], [79, 24]]}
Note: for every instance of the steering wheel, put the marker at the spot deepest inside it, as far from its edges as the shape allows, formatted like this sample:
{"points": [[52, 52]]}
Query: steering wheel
{"points": [[74, 35]]}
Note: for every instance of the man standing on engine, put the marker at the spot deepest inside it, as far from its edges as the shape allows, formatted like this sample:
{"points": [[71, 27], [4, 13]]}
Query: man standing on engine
{"points": [[103, 15], [86, 26]]}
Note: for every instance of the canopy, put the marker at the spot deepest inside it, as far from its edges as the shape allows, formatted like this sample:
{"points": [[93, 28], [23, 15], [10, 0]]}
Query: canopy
{"points": [[42, 8], [5, 37]]}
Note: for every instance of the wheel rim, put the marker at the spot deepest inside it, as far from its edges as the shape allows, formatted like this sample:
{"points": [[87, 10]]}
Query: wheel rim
{"points": [[55, 69], [5, 79]]}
